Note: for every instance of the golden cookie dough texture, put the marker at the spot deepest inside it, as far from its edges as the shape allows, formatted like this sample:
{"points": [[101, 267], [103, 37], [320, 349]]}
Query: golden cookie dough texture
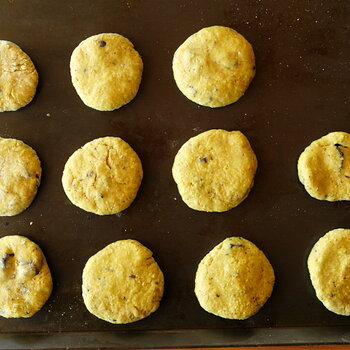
{"points": [[18, 77], [20, 175], [214, 171], [122, 283], [234, 280], [324, 167], [25, 279], [103, 176], [106, 71], [329, 268], [214, 66]]}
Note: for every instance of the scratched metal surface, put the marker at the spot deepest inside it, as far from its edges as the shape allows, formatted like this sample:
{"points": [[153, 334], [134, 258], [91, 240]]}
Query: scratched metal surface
{"points": [[300, 92]]}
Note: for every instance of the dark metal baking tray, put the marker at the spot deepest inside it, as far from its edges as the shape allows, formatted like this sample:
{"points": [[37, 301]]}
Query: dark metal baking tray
{"points": [[300, 92]]}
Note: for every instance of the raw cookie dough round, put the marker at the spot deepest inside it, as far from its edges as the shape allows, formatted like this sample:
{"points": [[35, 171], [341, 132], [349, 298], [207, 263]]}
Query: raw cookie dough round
{"points": [[18, 77], [122, 283], [103, 176], [324, 167], [234, 280], [20, 174], [214, 170], [25, 279], [106, 71], [329, 268], [214, 66]]}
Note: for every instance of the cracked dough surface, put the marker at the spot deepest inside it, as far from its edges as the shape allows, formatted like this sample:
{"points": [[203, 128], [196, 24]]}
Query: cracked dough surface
{"points": [[103, 176], [329, 268], [324, 167], [106, 71], [214, 66], [122, 283], [234, 280], [20, 175], [25, 279], [18, 77], [214, 171]]}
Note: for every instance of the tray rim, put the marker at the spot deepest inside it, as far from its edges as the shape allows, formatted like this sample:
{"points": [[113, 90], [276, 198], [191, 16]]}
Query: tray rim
{"points": [[182, 338]]}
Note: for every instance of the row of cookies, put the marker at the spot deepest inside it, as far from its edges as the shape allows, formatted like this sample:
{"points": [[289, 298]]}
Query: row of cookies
{"points": [[214, 172], [213, 68], [122, 283]]}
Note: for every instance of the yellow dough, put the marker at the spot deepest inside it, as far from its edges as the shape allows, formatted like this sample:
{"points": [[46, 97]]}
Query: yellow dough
{"points": [[329, 267], [122, 283], [18, 77], [25, 279], [214, 66], [214, 171], [106, 71], [103, 176], [234, 280], [324, 167], [20, 175]]}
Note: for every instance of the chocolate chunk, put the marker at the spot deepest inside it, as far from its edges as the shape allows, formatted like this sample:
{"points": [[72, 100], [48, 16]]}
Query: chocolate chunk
{"points": [[203, 159], [341, 153], [102, 43], [36, 269], [132, 276], [5, 259], [337, 146], [236, 245], [218, 295]]}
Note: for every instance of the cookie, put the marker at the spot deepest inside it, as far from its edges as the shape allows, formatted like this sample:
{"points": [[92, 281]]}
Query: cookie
{"points": [[329, 268], [103, 176], [20, 175], [234, 280], [122, 283], [214, 66], [324, 167], [18, 77], [214, 170], [106, 71], [25, 279]]}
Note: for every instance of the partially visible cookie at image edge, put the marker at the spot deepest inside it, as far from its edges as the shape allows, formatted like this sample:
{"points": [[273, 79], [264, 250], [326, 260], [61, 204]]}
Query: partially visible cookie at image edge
{"points": [[25, 278], [329, 266], [20, 176], [18, 77], [324, 167]]}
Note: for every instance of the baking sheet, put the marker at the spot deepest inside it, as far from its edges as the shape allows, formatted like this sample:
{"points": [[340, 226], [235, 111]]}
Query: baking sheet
{"points": [[299, 93]]}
